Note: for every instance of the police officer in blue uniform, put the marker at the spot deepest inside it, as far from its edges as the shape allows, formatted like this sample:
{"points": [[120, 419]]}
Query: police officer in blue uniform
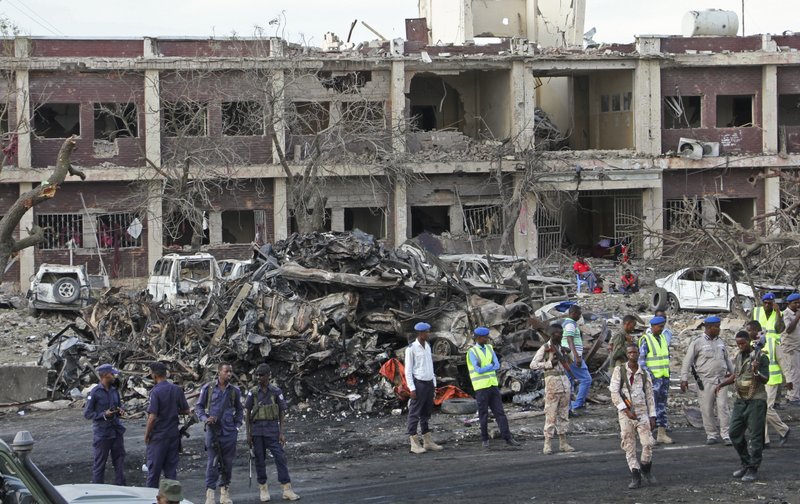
{"points": [[104, 408], [220, 408], [266, 407], [162, 436]]}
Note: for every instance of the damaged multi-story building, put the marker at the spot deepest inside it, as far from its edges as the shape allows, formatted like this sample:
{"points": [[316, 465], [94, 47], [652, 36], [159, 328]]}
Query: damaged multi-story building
{"points": [[614, 139]]}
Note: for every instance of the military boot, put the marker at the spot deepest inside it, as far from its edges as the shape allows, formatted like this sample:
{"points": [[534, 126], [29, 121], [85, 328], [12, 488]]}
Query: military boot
{"points": [[563, 445], [263, 492], [548, 446], [224, 496], [636, 479], [662, 436], [428, 443], [647, 475], [210, 497], [415, 446], [288, 493]]}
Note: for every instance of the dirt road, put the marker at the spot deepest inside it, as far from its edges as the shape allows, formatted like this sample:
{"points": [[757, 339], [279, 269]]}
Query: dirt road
{"points": [[335, 461]]}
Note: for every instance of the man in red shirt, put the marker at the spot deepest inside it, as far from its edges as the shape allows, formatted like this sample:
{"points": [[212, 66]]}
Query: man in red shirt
{"points": [[630, 283], [584, 271]]}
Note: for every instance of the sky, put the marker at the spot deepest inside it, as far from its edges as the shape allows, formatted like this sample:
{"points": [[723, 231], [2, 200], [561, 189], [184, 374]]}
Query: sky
{"points": [[308, 20]]}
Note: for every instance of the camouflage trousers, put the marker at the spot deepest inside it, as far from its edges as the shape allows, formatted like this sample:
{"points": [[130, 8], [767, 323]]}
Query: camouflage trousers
{"points": [[660, 394], [628, 430], [556, 411]]}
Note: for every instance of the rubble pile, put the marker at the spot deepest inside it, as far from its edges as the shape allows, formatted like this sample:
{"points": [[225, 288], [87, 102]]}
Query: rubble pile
{"points": [[325, 310]]}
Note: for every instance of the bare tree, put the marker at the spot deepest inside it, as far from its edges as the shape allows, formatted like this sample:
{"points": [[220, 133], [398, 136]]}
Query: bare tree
{"points": [[10, 245]]}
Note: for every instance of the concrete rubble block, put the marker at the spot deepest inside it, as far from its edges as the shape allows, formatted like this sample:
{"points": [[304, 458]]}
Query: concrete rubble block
{"points": [[22, 384]]}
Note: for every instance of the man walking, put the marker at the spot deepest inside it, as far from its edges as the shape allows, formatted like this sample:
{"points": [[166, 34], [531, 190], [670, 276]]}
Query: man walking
{"points": [[265, 408], [162, 435], [104, 408], [220, 408], [580, 371], [790, 347], [482, 364], [750, 408], [421, 382], [770, 347], [632, 394], [557, 391], [620, 341], [654, 358], [709, 357]]}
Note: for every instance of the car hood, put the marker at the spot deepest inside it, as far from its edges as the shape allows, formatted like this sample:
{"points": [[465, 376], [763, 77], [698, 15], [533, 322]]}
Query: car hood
{"points": [[100, 494]]}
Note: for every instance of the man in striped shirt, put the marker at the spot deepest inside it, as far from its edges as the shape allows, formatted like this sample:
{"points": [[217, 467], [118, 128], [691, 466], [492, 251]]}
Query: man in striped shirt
{"points": [[580, 371]]}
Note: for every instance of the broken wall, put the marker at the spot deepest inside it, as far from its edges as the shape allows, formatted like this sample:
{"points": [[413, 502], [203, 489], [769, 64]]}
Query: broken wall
{"points": [[101, 198], [85, 90], [554, 96], [709, 84], [242, 213], [359, 202], [560, 23], [499, 18]]}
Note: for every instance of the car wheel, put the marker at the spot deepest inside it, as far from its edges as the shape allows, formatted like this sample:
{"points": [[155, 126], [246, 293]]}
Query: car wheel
{"points": [[674, 305], [460, 406], [660, 300], [745, 302], [442, 347], [66, 290]]}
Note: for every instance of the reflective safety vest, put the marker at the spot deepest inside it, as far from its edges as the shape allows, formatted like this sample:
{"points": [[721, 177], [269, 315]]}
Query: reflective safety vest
{"points": [[657, 358], [771, 346], [767, 323], [481, 380]]}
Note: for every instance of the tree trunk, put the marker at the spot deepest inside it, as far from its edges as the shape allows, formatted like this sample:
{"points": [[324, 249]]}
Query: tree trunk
{"points": [[8, 244]]}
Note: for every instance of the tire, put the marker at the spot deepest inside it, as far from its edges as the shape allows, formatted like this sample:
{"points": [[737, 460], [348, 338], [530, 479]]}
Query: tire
{"points": [[745, 302], [673, 305], [660, 300], [66, 290], [443, 347], [460, 406]]}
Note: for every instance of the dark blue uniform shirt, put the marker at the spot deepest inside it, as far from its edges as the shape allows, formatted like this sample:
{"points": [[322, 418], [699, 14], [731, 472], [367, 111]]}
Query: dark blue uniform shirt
{"points": [[226, 405], [167, 400], [99, 401], [269, 428]]}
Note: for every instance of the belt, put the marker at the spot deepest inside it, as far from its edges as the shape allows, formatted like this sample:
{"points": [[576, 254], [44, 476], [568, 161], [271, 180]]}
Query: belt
{"points": [[553, 373]]}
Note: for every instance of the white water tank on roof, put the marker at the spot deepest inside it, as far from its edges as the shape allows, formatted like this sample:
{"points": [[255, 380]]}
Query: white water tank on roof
{"points": [[712, 22]]}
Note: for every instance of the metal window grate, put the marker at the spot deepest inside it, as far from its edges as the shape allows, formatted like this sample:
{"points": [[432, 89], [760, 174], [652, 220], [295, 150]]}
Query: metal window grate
{"points": [[484, 220], [683, 214], [113, 231], [59, 230]]}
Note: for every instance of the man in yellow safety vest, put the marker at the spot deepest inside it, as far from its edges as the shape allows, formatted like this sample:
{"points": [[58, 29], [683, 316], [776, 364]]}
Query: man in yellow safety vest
{"points": [[654, 358], [483, 365]]}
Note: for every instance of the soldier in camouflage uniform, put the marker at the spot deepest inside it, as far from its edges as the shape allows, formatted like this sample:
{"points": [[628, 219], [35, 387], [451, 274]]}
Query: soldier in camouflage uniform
{"points": [[557, 391], [632, 393]]}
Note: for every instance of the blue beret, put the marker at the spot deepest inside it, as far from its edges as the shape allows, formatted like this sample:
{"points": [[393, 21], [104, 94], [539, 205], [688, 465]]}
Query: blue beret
{"points": [[713, 319], [107, 368], [768, 297], [422, 326], [657, 320], [793, 297], [481, 331]]}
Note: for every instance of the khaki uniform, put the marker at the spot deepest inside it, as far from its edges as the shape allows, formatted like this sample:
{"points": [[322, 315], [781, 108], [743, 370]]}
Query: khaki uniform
{"points": [[789, 353], [711, 361], [557, 391], [640, 394]]}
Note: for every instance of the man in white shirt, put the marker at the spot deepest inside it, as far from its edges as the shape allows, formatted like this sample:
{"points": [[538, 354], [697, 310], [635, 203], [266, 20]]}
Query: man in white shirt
{"points": [[422, 383]]}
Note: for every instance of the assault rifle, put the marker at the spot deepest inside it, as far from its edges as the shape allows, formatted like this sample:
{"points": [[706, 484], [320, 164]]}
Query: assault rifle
{"points": [[184, 430], [697, 379], [216, 445], [540, 326]]}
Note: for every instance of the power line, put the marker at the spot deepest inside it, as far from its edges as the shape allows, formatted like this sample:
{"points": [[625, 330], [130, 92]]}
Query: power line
{"points": [[51, 28]]}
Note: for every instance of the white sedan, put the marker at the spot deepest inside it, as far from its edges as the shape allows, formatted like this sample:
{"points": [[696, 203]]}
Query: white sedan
{"points": [[708, 288]]}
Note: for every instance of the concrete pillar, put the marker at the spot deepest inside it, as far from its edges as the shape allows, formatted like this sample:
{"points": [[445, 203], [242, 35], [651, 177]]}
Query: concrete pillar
{"points": [[397, 99], [772, 198], [27, 262], [526, 236], [281, 209], [647, 98], [769, 108], [531, 26], [337, 219], [457, 220], [155, 225], [653, 213], [23, 93], [214, 228], [400, 212], [523, 103], [152, 116]]}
